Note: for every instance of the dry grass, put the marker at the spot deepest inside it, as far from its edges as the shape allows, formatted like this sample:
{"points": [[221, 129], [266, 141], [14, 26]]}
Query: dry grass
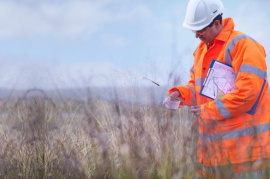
{"points": [[54, 138]]}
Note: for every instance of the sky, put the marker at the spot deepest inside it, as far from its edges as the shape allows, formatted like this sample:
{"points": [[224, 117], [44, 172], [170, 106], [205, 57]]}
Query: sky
{"points": [[83, 43]]}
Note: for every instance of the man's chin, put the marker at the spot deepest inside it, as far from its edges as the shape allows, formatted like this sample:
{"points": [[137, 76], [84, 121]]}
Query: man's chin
{"points": [[203, 41]]}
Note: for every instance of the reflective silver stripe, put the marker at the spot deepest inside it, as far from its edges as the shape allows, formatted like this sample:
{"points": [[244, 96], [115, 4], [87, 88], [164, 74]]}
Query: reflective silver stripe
{"points": [[199, 81], [193, 95], [253, 70], [222, 109], [236, 133], [231, 45], [192, 70]]}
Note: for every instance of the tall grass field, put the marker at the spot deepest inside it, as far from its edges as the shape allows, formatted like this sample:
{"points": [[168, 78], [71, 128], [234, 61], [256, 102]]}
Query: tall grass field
{"points": [[54, 137]]}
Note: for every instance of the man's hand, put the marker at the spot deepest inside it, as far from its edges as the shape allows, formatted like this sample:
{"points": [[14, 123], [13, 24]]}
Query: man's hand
{"points": [[172, 101], [175, 96], [196, 110]]}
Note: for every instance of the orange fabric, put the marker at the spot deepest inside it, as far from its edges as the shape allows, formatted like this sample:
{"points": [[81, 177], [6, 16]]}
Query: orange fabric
{"points": [[229, 113], [187, 96]]}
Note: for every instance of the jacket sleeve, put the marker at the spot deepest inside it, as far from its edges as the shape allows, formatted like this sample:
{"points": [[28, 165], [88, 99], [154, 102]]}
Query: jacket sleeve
{"points": [[187, 92], [248, 62]]}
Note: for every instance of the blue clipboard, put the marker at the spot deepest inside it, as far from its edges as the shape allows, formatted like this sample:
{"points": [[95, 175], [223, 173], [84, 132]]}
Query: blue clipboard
{"points": [[208, 74]]}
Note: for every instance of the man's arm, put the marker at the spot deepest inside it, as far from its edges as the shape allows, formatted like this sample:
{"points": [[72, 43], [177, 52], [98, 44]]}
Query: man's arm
{"points": [[187, 93], [250, 66]]}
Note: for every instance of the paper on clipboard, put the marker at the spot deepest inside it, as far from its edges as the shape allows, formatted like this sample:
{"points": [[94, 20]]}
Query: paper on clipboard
{"points": [[220, 80]]}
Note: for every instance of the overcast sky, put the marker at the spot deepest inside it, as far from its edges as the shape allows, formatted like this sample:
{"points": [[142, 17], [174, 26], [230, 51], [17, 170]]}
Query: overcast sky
{"points": [[76, 43]]}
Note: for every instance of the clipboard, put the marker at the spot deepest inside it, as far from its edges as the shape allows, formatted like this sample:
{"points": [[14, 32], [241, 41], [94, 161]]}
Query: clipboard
{"points": [[219, 80]]}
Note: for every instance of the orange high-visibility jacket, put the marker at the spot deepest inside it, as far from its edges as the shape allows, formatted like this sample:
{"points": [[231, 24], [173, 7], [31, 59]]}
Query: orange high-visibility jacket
{"points": [[234, 128]]}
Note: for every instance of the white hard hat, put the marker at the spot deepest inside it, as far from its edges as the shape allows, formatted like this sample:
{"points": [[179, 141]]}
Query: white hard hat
{"points": [[200, 13]]}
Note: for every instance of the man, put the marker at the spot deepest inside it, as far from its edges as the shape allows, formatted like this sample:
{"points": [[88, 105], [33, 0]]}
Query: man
{"points": [[234, 130]]}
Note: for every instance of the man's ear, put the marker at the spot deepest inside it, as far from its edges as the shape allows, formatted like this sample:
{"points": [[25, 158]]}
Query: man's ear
{"points": [[217, 23]]}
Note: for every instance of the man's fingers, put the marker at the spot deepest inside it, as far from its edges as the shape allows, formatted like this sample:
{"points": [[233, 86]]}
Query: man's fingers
{"points": [[196, 110], [172, 98], [175, 96]]}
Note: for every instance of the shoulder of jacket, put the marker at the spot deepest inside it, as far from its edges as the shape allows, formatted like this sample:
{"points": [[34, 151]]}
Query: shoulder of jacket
{"points": [[234, 34], [238, 36]]}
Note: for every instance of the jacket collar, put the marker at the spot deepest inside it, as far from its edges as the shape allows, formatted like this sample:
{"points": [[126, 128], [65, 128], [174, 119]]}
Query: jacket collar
{"points": [[228, 29]]}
